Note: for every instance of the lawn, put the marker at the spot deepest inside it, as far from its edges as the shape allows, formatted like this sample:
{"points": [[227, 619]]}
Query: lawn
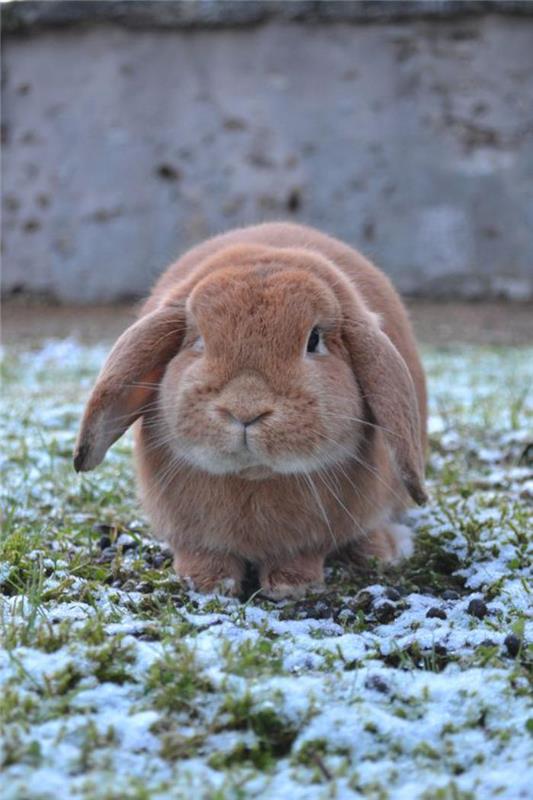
{"points": [[411, 682]]}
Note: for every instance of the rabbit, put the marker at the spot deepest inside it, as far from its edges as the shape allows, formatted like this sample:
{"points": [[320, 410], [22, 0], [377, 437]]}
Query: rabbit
{"points": [[279, 405]]}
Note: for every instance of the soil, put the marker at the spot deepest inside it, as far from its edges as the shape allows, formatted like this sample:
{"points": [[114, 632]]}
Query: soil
{"points": [[445, 323]]}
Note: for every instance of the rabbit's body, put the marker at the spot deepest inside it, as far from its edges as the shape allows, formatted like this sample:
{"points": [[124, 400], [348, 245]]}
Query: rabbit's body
{"points": [[282, 408]]}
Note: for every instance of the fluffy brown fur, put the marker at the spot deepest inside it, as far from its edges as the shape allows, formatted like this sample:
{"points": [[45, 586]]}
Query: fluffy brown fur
{"points": [[249, 447]]}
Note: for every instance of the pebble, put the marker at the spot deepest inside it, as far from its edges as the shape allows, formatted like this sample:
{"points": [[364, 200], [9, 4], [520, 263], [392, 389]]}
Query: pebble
{"points": [[449, 594], [385, 612], [362, 601], [513, 643], [102, 527], [377, 682], [105, 534], [477, 608], [126, 541], [159, 560], [105, 542], [392, 594], [107, 555], [439, 613], [310, 609]]}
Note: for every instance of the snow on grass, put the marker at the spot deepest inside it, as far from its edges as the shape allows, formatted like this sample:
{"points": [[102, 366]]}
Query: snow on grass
{"points": [[405, 682]]}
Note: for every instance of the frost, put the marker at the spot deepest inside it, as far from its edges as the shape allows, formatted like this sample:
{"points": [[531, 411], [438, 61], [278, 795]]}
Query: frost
{"points": [[117, 682]]}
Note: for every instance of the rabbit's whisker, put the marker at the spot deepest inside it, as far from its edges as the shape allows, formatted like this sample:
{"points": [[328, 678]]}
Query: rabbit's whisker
{"points": [[362, 463], [309, 481], [166, 477], [142, 385], [159, 442], [339, 501], [360, 421]]}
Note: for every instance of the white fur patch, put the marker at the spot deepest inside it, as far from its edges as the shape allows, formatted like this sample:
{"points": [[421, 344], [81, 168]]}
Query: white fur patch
{"points": [[377, 318], [403, 538]]}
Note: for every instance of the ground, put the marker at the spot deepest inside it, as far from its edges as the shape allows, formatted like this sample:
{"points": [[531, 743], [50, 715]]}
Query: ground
{"points": [[412, 682]]}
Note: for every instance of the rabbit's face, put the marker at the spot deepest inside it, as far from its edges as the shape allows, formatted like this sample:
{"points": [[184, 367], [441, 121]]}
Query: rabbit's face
{"points": [[262, 383], [264, 361]]}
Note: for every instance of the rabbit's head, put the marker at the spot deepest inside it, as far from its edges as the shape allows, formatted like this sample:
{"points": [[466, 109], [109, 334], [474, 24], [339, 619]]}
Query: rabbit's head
{"points": [[266, 361]]}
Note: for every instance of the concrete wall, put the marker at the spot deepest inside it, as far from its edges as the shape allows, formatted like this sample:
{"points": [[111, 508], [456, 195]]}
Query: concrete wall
{"points": [[411, 138]]}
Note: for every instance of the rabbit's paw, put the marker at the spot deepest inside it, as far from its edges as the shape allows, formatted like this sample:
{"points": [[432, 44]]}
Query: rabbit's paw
{"points": [[210, 572], [301, 576], [390, 543]]}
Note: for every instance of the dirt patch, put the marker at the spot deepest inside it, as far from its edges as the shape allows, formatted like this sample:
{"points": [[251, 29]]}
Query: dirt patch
{"points": [[496, 323], [435, 323]]}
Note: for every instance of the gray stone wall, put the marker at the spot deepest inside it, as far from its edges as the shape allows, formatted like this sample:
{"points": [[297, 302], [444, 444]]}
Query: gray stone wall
{"points": [[131, 135]]}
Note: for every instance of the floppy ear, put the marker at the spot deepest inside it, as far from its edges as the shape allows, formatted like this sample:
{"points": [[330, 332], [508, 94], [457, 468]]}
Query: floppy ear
{"points": [[127, 381], [388, 388]]}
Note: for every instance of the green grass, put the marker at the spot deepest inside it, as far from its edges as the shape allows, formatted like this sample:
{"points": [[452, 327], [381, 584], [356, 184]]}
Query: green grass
{"points": [[116, 682]]}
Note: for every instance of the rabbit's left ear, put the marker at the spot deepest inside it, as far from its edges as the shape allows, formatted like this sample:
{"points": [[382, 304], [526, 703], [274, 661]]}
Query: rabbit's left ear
{"points": [[388, 388], [127, 382]]}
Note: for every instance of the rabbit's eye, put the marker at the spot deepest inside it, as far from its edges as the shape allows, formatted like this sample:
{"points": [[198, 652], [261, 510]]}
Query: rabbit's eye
{"points": [[313, 341]]}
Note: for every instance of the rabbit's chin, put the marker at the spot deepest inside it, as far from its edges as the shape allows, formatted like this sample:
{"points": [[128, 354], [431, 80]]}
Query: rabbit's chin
{"points": [[259, 473], [249, 465]]}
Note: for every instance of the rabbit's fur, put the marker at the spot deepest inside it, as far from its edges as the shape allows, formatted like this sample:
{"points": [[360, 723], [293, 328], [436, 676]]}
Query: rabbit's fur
{"points": [[255, 442]]}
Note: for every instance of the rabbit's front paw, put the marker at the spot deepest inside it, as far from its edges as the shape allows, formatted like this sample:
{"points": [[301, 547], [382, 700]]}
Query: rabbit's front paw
{"points": [[391, 543], [210, 572], [301, 576]]}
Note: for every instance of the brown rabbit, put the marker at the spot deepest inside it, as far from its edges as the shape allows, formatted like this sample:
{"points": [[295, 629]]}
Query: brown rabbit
{"points": [[281, 408]]}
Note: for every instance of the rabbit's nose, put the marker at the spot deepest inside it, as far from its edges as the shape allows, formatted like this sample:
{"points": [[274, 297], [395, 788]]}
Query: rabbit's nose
{"points": [[244, 418]]}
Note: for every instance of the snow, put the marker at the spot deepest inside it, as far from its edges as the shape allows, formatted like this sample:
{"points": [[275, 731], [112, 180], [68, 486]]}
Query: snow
{"points": [[405, 707]]}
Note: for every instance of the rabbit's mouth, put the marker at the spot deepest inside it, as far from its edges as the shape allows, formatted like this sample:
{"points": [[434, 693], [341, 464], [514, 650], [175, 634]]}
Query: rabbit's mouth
{"points": [[258, 473], [217, 461], [263, 447], [253, 464]]}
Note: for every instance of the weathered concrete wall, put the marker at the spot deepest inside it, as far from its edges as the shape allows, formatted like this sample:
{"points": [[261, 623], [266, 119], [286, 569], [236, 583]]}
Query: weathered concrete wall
{"points": [[410, 139]]}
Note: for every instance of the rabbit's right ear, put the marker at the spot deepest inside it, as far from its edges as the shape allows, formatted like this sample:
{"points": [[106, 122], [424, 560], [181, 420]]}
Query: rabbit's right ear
{"points": [[127, 382]]}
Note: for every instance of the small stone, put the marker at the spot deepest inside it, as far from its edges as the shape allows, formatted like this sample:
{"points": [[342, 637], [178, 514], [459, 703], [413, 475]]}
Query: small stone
{"points": [[488, 643], [376, 682], [102, 527], [363, 600], [313, 609], [385, 612], [105, 532], [513, 644], [323, 610], [107, 555], [104, 542], [449, 594], [477, 608], [159, 560], [126, 542], [392, 594], [438, 613]]}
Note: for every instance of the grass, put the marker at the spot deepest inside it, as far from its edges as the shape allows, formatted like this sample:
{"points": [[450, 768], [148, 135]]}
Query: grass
{"points": [[118, 683]]}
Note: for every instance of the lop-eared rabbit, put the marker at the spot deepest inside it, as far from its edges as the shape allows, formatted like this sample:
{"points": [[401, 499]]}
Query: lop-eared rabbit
{"points": [[279, 406]]}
